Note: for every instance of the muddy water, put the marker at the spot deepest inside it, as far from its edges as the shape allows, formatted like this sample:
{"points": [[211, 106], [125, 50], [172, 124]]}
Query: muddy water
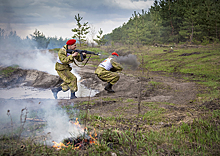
{"points": [[30, 92], [26, 92]]}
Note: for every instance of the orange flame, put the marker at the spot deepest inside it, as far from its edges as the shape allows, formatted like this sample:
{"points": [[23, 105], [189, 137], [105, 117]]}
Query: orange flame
{"points": [[58, 145], [93, 141], [76, 123], [80, 144]]}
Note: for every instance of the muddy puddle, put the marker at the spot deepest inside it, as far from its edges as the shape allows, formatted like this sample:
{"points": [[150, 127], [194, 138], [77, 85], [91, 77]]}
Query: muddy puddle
{"points": [[24, 92]]}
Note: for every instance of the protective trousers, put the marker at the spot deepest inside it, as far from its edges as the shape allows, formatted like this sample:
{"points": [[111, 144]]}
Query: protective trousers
{"points": [[70, 80]]}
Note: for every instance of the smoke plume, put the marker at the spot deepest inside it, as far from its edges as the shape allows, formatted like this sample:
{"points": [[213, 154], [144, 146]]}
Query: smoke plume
{"points": [[28, 58], [57, 122], [129, 61]]}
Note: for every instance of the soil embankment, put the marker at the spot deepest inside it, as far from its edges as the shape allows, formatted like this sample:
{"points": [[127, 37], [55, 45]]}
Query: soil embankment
{"points": [[24, 77]]}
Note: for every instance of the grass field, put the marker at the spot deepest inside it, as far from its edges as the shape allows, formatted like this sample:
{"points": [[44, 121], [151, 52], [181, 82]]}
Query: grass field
{"points": [[201, 136]]}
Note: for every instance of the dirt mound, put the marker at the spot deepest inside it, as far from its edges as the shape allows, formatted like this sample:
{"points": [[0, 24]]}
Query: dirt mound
{"points": [[32, 78]]}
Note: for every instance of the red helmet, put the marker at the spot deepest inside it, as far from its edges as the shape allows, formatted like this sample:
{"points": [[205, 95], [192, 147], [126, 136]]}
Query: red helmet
{"points": [[114, 53], [71, 42]]}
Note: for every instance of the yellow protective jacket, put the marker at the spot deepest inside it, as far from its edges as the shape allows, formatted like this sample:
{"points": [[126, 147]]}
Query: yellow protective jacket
{"points": [[66, 60]]}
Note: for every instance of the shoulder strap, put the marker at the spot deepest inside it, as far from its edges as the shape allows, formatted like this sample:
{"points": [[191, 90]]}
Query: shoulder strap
{"points": [[84, 64]]}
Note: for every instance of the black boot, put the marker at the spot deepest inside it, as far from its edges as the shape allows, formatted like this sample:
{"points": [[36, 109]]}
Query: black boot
{"points": [[55, 91], [73, 95], [108, 88]]}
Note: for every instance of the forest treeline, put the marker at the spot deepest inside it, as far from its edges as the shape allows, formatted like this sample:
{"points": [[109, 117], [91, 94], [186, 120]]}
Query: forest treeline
{"points": [[37, 39], [166, 22], [172, 21]]}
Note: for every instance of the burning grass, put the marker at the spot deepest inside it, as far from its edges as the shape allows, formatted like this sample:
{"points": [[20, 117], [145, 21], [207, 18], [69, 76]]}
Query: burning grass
{"points": [[111, 136], [79, 143], [82, 142]]}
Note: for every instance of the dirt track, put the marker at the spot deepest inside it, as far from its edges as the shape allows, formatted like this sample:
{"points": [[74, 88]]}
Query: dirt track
{"points": [[164, 89]]}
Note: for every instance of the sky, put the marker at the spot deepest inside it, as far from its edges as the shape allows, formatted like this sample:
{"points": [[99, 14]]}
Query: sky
{"points": [[57, 17]]}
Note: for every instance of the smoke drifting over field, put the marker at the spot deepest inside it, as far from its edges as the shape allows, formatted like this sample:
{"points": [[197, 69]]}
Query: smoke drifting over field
{"points": [[129, 61], [58, 124], [56, 119], [28, 58]]}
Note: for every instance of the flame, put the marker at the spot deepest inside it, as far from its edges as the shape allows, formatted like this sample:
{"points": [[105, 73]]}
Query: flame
{"points": [[58, 145], [79, 145], [93, 139], [76, 123]]}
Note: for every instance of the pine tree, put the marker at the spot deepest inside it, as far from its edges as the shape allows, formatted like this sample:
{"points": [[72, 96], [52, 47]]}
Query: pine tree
{"points": [[81, 30], [116, 34], [134, 32], [154, 24], [101, 40], [170, 21], [41, 40], [189, 23], [215, 19], [212, 19]]}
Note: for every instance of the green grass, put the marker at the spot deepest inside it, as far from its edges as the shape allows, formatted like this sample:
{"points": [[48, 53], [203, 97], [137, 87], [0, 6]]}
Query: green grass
{"points": [[202, 67], [56, 50], [154, 112], [109, 99], [130, 100], [8, 71], [188, 139], [205, 63], [154, 115], [201, 136]]}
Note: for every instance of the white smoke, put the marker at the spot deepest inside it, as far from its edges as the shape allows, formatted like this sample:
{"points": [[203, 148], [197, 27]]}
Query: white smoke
{"points": [[40, 61], [9, 115], [30, 59], [26, 56], [58, 124], [57, 120]]}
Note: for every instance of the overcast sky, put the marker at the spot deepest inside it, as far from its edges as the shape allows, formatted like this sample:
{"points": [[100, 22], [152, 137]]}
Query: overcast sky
{"points": [[57, 17]]}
